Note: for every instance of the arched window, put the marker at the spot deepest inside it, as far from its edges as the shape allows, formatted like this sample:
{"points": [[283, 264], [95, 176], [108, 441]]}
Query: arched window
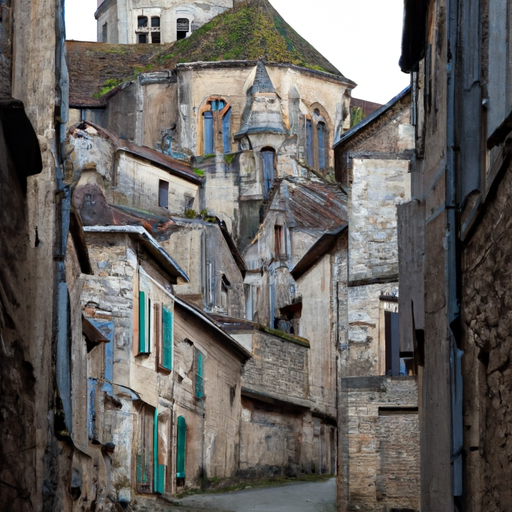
{"points": [[268, 157], [182, 28], [216, 127], [317, 141]]}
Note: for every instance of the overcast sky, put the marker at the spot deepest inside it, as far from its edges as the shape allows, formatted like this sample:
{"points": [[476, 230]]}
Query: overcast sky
{"points": [[360, 37]]}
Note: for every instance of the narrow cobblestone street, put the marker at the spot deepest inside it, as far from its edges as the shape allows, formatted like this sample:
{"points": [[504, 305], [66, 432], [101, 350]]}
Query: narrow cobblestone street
{"points": [[300, 497]]}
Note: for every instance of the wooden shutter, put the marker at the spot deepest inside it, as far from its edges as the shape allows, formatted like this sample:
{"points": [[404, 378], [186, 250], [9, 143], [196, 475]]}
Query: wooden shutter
{"points": [[208, 133], [226, 131], [181, 447], [142, 323], [199, 375], [145, 450], [167, 339]]}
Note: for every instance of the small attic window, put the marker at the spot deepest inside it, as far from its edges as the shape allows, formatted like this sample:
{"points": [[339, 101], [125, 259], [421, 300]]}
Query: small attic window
{"points": [[182, 28], [163, 194], [142, 21]]}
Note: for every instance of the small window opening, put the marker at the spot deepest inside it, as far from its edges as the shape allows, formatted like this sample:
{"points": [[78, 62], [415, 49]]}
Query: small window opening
{"points": [[182, 28], [392, 344], [104, 33], [155, 38], [268, 161], [142, 38], [224, 293], [142, 22], [155, 22], [289, 320], [278, 241], [163, 194]]}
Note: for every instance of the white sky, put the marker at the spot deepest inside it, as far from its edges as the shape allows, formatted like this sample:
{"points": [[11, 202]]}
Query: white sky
{"points": [[360, 37]]}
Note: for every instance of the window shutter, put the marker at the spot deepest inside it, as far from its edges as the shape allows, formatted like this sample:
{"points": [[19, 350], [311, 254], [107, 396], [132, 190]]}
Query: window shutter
{"points": [[167, 342], [309, 143], [199, 376], [143, 324], [226, 131], [181, 447], [208, 133], [321, 145]]}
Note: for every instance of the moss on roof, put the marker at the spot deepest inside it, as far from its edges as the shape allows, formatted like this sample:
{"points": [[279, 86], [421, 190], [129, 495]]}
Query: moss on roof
{"points": [[252, 30]]}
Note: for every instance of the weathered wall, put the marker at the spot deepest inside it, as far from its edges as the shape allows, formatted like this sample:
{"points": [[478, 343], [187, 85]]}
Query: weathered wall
{"points": [[213, 422], [279, 368], [380, 421], [486, 363]]}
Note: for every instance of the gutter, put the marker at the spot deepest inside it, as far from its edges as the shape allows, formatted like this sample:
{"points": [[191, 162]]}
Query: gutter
{"points": [[169, 265]]}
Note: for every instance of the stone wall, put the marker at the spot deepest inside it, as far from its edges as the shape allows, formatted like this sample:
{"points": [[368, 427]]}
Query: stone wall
{"points": [[278, 368], [379, 417], [486, 300]]}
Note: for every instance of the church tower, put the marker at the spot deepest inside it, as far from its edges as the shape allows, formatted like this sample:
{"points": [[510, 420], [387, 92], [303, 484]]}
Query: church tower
{"points": [[153, 21]]}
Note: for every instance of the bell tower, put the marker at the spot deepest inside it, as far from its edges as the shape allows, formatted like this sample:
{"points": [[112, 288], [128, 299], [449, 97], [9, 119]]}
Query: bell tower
{"points": [[153, 21]]}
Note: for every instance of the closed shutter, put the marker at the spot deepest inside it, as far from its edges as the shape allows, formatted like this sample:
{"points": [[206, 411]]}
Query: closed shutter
{"points": [[181, 447], [167, 341], [226, 131], [321, 145], [208, 133], [142, 323], [199, 376], [309, 143]]}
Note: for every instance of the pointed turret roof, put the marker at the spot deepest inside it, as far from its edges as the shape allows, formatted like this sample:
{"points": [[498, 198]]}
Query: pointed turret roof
{"points": [[262, 82]]}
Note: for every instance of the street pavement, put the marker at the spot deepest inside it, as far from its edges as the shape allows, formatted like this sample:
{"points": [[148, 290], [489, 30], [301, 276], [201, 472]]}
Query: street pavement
{"points": [[296, 497]]}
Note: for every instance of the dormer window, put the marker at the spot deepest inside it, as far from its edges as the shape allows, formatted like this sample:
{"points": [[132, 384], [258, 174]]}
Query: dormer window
{"points": [[182, 28]]}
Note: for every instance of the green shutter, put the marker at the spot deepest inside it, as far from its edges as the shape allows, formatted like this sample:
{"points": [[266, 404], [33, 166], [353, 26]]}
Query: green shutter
{"points": [[167, 339], [142, 323], [181, 447], [155, 451], [160, 479], [199, 376]]}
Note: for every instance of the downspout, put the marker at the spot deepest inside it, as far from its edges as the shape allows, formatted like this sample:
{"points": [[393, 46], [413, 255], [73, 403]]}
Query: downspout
{"points": [[452, 267]]}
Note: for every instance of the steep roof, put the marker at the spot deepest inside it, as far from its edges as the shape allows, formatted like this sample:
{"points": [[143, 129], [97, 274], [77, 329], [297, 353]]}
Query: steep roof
{"points": [[253, 30]]}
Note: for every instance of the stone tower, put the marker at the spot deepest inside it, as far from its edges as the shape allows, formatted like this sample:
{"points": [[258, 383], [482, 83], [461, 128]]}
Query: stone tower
{"points": [[153, 21]]}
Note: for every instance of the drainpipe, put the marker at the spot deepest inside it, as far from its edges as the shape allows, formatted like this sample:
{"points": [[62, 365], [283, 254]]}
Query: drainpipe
{"points": [[452, 267]]}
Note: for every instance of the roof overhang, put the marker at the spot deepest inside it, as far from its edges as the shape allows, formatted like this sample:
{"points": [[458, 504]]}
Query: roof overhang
{"points": [[150, 244]]}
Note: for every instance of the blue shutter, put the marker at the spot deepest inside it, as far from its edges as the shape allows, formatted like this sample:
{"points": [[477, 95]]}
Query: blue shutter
{"points": [[309, 143], [208, 133], [91, 409], [321, 145], [267, 157], [167, 342], [226, 131]]}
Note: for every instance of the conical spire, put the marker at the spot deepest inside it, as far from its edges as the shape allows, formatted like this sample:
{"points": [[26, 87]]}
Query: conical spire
{"points": [[262, 82]]}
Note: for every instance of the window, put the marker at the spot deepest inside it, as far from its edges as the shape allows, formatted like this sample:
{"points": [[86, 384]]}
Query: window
{"points": [[279, 242], [317, 142], [142, 22], [216, 119], [155, 22], [163, 194], [182, 28], [321, 139], [144, 323], [392, 343], [268, 157], [148, 32], [147, 420], [155, 37], [208, 133], [104, 33], [142, 38], [181, 447], [225, 285], [199, 367]]}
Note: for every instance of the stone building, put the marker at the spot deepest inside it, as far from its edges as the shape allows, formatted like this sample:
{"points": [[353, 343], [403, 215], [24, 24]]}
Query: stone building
{"points": [[455, 249], [46, 462], [378, 402], [167, 401]]}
